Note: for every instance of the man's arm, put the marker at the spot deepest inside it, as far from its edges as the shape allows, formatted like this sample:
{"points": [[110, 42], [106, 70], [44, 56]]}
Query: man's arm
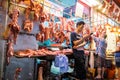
{"points": [[80, 45], [81, 40]]}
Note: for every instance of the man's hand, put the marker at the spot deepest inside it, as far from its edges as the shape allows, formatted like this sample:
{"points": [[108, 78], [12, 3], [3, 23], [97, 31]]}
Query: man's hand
{"points": [[86, 36], [80, 45], [75, 47]]}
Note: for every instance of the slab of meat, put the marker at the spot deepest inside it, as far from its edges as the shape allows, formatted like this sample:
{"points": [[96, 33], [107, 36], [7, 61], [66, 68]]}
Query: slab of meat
{"points": [[61, 37], [41, 28], [119, 17], [56, 36], [52, 17], [51, 25], [37, 8], [56, 27], [48, 17], [116, 13], [14, 14], [10, 51], [67, 37], [17, 73], [43, 17], [110, 10], [43, 52], [40, 37], [24, 2], [27, 12], [48, 33], [28, 25], [13, 25], [69, 26], [14, 30]]}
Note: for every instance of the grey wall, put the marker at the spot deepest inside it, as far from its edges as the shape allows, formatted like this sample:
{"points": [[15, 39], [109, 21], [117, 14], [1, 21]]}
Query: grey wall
{"points": [[24, 41], [2, 42], [27, 65]]}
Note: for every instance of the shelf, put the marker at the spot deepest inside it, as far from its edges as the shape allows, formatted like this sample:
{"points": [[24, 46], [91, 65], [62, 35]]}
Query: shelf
{"points": [[27, 33], [20, 5]]}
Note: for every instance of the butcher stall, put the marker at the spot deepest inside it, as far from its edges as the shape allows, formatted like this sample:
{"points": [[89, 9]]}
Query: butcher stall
{"points": [[31, 34]]}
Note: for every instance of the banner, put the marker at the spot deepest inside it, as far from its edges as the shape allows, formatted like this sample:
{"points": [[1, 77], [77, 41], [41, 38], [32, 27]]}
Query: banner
{"points": [[52, 8], [79, 10]]}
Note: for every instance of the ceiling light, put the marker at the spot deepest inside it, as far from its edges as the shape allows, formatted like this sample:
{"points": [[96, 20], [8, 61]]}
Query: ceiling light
{"points": [[100, 6]]}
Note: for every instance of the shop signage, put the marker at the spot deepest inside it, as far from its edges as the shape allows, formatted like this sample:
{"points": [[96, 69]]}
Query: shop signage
{"points": [[84, 10], [47, 7], [79, 10], [52, 8], [69, 11]]}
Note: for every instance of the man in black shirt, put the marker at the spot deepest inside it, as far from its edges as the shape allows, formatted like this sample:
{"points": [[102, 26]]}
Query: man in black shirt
{"points": [[78, 42]]}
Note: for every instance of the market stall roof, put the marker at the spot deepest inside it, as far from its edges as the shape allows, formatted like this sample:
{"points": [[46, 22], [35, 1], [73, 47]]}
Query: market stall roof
{"points": [[64, 3]]}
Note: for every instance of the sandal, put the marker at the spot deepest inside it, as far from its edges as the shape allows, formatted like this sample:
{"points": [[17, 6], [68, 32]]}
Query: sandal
{"points": [[98, 79]]}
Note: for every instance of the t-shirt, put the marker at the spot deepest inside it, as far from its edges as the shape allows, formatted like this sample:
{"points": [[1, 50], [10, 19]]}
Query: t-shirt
{"points": [[101, 46], [74, 36]]}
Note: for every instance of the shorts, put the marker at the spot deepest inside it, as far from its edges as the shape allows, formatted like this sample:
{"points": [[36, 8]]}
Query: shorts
{"points": [[100, 62]]}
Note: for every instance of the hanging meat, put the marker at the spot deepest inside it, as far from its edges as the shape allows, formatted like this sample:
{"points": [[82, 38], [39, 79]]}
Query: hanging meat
{"points": [[10, 51], [67, 37], [69, 26], [104, 4], [14, 30], [110, 10], [119, 17], [51, 24], [40, 36], [47, 33], [63, 22], [72, 25], [52, 18], [14, 14], [86, 31], [116, 13], [48, 17], [56, 27], [61, 37], [56, 36], [27, 12], [61, 25], [24, 2], [43, 17], [13, 25], [17, 73], [37, 8], [28, 25], [41, 28]]}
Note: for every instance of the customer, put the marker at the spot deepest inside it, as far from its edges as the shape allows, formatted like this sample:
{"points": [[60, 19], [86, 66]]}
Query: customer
{"points": [[101, 46], [78, 42]]}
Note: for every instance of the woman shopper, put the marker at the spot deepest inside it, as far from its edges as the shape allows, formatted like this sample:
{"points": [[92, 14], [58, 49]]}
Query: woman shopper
{"points": [[78, 42]]}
